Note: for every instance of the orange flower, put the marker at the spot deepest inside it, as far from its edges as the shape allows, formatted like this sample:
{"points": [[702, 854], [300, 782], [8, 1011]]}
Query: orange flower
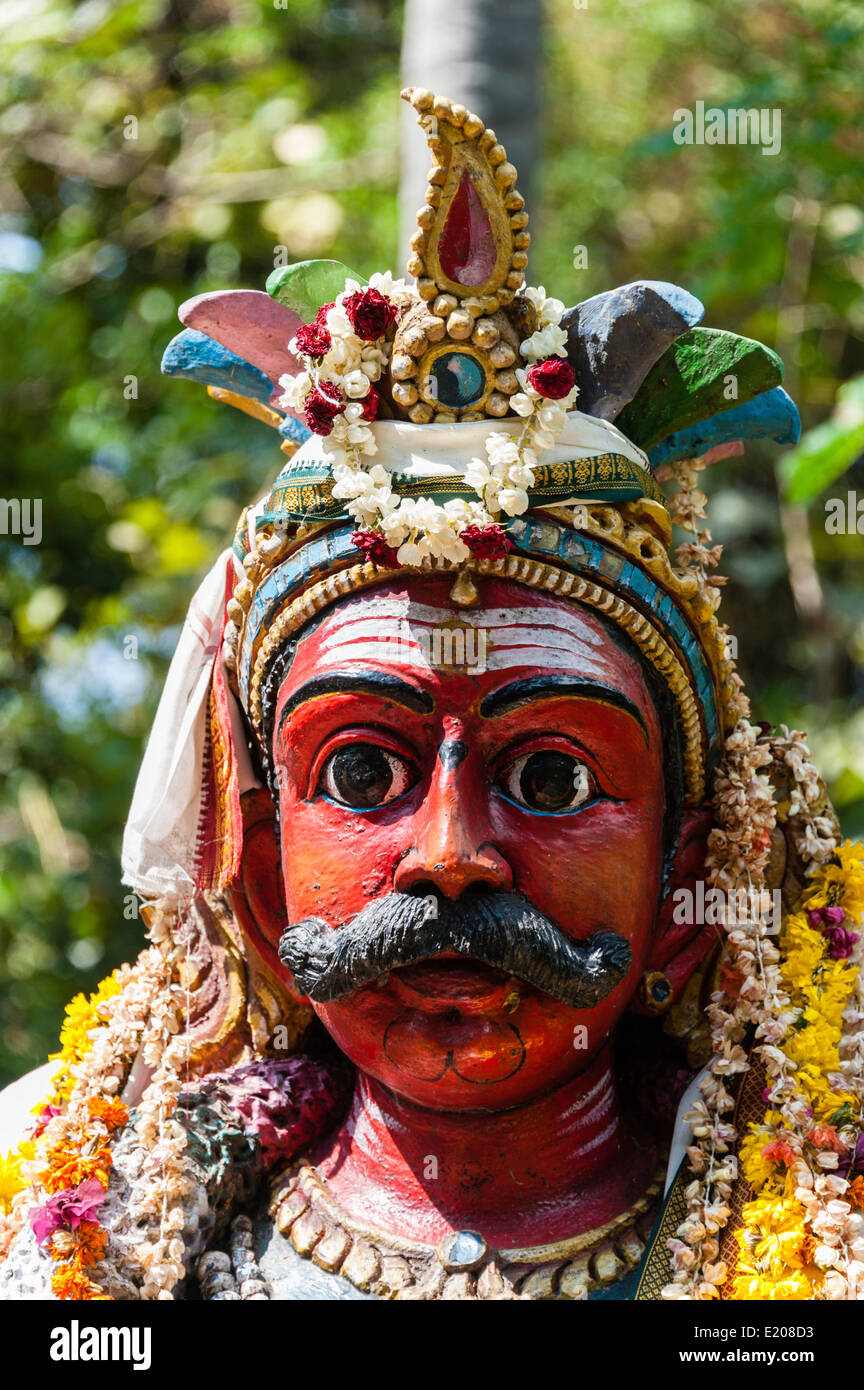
{"points": [[826, 1137], [113, 1113], [779, 1151], [731, 981], [67, 1169], [69, 1282], [855, 1192], [90, 1243], [61, 1245], [82, 1247]]}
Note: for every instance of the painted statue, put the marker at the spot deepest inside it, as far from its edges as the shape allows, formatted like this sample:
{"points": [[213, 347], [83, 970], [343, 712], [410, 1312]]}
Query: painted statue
{"points": [[494, 953]]}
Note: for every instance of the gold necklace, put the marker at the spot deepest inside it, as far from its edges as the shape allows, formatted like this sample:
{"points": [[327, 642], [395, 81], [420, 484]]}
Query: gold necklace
{"points": [[463, 1265]]}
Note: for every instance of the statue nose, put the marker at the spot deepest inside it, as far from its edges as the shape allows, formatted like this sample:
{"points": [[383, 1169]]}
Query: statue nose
{"points": [[453, 850]]}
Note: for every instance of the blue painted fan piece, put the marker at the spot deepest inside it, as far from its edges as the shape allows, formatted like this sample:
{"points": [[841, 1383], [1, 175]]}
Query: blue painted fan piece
{"points": [[294, 430], [615, 338], [195, 356], [772, 415]]}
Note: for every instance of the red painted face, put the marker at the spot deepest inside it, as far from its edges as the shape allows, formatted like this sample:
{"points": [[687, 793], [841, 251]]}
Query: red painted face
{"points": [[437, 766]]}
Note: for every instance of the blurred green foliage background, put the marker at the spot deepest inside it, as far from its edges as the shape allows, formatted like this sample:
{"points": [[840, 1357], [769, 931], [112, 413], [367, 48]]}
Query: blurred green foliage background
{"points": [[154, 149]]}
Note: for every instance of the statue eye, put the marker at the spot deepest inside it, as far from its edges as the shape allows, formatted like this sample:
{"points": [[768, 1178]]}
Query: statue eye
{"points": [[363, 776], [549, 781]]}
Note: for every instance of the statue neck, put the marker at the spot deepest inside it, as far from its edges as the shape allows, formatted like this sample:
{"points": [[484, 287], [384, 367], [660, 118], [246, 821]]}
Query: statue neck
{"points": [[554, 1168]]}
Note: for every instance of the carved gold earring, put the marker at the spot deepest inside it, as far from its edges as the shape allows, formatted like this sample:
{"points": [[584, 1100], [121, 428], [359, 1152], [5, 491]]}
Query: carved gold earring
{"points": [[655, 991]]}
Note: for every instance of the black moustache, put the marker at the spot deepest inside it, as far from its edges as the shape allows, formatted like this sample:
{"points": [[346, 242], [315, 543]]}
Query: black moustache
{"points": [[499, 929]]}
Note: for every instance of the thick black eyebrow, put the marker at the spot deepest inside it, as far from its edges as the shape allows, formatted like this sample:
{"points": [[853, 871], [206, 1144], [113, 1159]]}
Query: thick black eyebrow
{"points": [[363, 683], [545, 687]]}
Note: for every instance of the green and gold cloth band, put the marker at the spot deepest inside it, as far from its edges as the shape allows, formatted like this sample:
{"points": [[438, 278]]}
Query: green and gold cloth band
{"points": [[303, 492], [591, 461]]}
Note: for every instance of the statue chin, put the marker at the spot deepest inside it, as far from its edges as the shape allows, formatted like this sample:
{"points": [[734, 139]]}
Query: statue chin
{"points": [[456, 1034]]}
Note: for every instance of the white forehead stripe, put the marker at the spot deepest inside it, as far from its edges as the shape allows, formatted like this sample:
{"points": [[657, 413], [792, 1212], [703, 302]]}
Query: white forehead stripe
{"points": [[398, 632], [362, 609]]}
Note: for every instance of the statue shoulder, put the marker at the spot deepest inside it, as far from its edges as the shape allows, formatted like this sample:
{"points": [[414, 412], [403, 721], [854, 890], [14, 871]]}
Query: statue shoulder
{"points": [[17, 1101]]}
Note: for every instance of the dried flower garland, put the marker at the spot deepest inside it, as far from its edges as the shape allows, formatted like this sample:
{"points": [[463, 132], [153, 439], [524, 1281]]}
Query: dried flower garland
{"points": [[130, 1032], [801, 1236], [345, 350], [58, 1177]]}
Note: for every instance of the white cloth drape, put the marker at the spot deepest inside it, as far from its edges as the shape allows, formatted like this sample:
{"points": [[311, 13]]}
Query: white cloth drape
{"points": [[160, 838]]}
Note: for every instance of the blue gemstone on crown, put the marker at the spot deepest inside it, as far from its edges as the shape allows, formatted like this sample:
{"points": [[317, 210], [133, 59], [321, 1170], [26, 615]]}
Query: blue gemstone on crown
{"points": [[459, 379]]}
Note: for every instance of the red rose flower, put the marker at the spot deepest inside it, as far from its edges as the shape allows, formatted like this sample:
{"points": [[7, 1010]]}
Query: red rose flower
{"points": [[487, 542], [376, 548], [313, 339], [553, 378], [369, 314], [322, 407], [371, 403]]}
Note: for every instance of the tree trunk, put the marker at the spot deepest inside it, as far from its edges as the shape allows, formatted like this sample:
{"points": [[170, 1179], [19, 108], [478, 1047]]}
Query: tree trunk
{"points": [[485, 54]]}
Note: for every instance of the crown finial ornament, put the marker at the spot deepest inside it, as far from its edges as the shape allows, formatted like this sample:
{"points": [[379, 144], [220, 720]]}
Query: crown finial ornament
{"points": [[454, 355]]}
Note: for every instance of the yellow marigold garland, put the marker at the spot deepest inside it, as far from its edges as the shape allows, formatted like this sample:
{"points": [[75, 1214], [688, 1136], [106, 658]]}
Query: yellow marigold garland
{"points": [[82, 1015], [66, 1151], [800, 1237], [58, 1177]]}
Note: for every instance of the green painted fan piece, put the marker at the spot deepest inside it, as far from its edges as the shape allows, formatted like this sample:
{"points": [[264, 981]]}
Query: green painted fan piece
{"points": [[306, 285], [704, 371]]}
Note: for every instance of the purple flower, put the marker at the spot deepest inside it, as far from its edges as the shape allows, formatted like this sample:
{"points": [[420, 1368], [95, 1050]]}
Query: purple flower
{"points": [[44, 1118], [841, 943], [67, 1208], [825, 916], [828, 919]]}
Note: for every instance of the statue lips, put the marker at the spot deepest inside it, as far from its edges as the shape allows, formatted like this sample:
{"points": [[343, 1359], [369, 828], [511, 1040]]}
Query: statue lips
{"points": [[445, 980]]}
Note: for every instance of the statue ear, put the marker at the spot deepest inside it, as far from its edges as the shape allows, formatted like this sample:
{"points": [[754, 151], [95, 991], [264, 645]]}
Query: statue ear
{"points": [[682, 939], [257, 894]]}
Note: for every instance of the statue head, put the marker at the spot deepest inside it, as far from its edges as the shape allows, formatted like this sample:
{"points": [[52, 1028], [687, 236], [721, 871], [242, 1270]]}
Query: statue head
{"points": [[486, 803], [468, 706]]}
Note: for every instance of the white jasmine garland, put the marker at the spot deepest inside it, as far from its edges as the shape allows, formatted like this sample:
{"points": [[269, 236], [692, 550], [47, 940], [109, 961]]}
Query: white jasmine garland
{"points": [[419, 529]]}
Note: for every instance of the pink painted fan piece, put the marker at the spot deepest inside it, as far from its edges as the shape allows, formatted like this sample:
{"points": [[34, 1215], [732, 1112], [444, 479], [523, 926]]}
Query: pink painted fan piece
{"points": [[466, 247], [250, 324]]}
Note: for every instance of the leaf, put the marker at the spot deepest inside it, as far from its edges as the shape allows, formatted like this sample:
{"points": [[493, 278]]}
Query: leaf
{"points": [[306, 285], [771, 415], [826, 452], [199, 358], [689, 383]]}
